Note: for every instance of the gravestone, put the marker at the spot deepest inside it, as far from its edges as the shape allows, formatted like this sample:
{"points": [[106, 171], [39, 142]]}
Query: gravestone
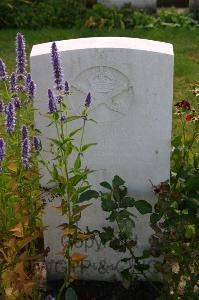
{"points": [[144, 4], [131, 83], [194, 5]]}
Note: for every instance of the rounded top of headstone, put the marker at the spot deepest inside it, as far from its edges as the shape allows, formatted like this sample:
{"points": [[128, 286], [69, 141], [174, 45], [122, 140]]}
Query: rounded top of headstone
{"points": [[105, 43]]}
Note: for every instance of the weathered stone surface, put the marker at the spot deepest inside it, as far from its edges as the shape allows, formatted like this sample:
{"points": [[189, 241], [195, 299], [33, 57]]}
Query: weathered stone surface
{"points": [[131, 82]]}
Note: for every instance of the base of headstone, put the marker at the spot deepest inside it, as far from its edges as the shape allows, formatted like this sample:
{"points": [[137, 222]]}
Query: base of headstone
{"points": [[102, 263]]}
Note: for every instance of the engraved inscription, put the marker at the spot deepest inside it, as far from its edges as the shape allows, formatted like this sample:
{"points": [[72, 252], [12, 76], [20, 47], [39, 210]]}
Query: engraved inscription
{"points": [[112, 93], [102, 82]]}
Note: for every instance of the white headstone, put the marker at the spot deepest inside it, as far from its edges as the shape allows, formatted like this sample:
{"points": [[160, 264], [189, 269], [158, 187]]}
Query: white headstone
{"points": [[145, 4], [193, 5], [131, 83]]}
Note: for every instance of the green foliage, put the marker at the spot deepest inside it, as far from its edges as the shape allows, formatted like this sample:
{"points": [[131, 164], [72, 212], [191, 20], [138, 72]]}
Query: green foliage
{"points": [[20, 207], [70, 177], [77, 13], [116, 202], [176, 216], [37, 14], [88, 195], [70, 294], [127, 17], [171, 17]]}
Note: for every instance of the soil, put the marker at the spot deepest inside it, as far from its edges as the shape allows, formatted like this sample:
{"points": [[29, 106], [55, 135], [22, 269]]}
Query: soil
{"points": [[97, 290]]}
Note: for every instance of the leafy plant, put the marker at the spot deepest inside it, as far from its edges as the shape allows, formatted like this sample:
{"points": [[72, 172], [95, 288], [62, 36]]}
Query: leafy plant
{"points": [[118, 204], [171, 17], [20, 208], [77, 13], [68, 175], [176, 217]]}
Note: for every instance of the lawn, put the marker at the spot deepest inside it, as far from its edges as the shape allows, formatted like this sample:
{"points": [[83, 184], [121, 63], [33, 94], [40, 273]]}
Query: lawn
{"points": [[185, 41]]}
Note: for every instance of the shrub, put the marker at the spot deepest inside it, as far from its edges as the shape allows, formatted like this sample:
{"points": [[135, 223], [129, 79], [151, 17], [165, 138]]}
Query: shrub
{"points": [[76, 13], [20, 207], [37, 14], [176, 217]]}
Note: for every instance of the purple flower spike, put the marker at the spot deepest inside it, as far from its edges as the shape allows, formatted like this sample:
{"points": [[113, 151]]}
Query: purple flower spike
{"points": [[88, 100], [1, 106], [37, 144], [10, 117], [59, 98], [2, 70], [57, 69], [17, 102], [66, 87], [25, 152], [32, 90], [13, 83], [2, 149], [28, 80], [63, 119], [24, 133], [51, 102], [20, 54]]}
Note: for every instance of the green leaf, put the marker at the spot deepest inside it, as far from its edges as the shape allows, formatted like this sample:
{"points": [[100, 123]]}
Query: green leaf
{"points": [[72, 118], [85, 147], [70, 294], [88, 195], [74, 132], [113, 216], [55, 141], [76, 179], [118, 245], [91, 120], [83, 188], [123, 214], [77, 163], [106, 185], [108, 205], [193, 183], [117, 181], [116, 195], [154, 218], [106, 235], [55, 173], [176, 141], [143, 207], [127, 202]]}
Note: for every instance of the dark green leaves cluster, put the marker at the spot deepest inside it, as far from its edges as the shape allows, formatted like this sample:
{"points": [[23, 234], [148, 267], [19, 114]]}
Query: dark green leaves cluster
{"points": [[120, 207]]}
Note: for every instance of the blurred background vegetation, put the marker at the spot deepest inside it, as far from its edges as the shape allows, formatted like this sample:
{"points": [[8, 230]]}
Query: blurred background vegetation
{"points": [[49, 20], [35, 14]]}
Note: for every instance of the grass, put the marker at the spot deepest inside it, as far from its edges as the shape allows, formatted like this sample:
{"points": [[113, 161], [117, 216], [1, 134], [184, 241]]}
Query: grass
{"points": [[185, 42]]}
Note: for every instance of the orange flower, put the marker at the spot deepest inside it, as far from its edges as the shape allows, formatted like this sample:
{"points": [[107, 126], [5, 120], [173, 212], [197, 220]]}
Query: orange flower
{"points": [[188, 118]]}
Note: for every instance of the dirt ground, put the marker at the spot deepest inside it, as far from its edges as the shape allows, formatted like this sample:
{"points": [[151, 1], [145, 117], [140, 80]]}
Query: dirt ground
{"points": [[95, 290]]}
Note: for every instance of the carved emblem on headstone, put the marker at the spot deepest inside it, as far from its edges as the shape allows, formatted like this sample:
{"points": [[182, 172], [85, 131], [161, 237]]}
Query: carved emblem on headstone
{"points": [[110, 89]]}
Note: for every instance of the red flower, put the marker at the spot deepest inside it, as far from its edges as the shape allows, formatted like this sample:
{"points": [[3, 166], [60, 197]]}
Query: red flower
{"points": [[159, 189], [188, 118], [183, 104]]}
